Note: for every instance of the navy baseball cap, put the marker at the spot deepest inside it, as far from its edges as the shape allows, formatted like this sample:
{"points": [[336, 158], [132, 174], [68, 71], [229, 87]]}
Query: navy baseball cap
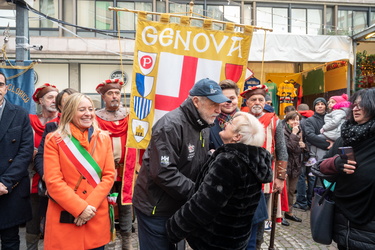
{"points": [[210, 89]]}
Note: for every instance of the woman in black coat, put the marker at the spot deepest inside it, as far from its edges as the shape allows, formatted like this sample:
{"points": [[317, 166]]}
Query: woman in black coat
{"points": [[219, 214], [295, 146], [354, 194]]}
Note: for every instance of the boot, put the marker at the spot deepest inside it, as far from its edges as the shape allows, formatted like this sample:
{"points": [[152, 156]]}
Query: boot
{"points": [[126, 241], [32, 241]]}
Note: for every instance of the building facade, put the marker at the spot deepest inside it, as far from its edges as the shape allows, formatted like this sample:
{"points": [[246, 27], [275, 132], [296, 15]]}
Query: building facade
{"points": [[81, 45]]}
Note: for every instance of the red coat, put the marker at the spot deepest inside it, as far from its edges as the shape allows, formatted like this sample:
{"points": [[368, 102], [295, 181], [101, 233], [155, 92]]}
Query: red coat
{"points": [[61, 177]]}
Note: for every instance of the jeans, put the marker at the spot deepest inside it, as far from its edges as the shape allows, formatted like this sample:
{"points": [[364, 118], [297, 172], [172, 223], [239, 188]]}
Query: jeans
{"points": [[304, 195], [10, 239], [152, 233]]}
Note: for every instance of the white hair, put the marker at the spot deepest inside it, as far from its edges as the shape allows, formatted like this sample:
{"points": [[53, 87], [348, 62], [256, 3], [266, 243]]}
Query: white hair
{"points": [[250, 128]]}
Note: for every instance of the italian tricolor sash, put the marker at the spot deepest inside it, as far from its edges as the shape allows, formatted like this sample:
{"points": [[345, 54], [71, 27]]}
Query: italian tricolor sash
{"points": [[81, 159]]}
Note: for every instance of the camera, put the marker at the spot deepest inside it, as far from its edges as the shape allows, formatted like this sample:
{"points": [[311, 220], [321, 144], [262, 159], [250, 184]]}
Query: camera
{"points": [[37, 47]]}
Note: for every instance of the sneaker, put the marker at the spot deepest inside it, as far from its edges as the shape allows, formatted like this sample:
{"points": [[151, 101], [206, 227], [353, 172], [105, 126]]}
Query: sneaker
{"points": [[267, 225], [311, 174], [310, 162]]}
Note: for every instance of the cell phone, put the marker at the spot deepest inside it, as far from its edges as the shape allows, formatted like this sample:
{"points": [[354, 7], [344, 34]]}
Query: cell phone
{"points": [[346, 153], [66, 217]]}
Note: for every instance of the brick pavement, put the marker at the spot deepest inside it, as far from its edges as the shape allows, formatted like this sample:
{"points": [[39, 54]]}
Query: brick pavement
{"points": [[296, 236]]}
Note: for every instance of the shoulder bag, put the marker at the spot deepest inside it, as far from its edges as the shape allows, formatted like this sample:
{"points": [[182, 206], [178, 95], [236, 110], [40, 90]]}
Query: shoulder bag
{"points": [[321, 216]]}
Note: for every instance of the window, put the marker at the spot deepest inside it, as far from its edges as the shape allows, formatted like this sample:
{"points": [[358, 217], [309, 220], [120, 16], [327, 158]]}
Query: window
{"points": [[299, 21], [247, 18], [314, 22], [275, 18], [330, 29], [40, 26], [351, 21]]}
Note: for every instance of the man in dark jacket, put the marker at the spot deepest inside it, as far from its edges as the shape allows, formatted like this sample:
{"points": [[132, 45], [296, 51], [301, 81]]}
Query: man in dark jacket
{"points": [[171, 163], [312, 130], [16, 147], [302, 194]]}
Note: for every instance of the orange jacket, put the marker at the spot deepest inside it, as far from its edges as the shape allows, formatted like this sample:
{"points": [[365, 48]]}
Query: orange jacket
{"points": [[61, 177]]}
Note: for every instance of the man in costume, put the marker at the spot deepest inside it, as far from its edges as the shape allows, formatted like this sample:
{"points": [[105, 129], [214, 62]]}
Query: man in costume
{"points": [[45, 96], [114, 118], [275, 144], [16, 147]]}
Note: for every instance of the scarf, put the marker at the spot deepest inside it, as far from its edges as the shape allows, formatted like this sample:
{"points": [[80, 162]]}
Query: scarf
{"points": [[82, 137], [355, 133], [223, 118]]}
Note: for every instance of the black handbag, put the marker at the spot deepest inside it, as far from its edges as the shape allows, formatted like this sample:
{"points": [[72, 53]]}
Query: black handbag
{"points": [[321, 216]]}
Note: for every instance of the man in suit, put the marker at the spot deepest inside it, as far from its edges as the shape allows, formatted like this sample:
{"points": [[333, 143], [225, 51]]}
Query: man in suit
{"points": [[16, 147]]}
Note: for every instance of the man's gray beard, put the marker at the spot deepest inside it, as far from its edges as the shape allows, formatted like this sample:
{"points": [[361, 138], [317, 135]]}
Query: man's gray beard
{"points": [[256, 110], [114, 104], [51, 109]]}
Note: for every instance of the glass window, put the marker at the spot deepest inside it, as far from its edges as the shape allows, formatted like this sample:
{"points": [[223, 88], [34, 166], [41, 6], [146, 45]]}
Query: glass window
{"points": [[232, 13], [299, 21], [247, 18], [344, 22], [48, 7], [330, 29], [104, 17], [280, 20], [86, 13], [215, 12], [8, 17], [372, 18], [359, 21], [264, 17], [314, 24], [275, 18]]}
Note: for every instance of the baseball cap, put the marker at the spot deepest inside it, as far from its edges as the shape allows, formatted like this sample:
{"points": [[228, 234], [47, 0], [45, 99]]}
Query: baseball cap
{"points": [[210, 89]]}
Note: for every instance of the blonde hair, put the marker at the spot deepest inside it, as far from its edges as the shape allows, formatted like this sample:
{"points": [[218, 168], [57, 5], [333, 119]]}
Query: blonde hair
{"points": [[250, 129], [69, 110]]}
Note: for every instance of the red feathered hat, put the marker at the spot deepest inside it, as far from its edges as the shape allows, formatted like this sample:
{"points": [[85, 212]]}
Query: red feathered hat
{"points": [[255, 90], [106, 85], [42, 90]]}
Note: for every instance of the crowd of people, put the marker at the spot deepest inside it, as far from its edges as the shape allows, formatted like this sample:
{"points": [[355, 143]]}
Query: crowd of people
{"points": [[212, 175]]}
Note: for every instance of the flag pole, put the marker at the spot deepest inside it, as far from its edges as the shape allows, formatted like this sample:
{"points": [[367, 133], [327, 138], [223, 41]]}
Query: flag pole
{"points": [[192, 17]]}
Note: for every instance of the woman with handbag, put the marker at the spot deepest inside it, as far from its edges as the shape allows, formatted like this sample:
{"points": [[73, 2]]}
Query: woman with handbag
{"points": [[79, 173], [354, 193]]}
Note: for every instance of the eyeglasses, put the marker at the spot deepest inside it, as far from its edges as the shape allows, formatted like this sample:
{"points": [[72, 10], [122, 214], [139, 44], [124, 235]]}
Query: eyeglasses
{"points": [[356, 106]]}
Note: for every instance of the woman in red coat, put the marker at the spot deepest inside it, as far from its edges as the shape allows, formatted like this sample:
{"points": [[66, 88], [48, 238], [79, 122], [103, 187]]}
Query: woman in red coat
{"points": [[79, 173]]}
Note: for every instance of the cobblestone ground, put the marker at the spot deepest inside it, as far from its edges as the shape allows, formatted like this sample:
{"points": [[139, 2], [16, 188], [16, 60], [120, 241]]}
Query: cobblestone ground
{"points": [[296, 236]]}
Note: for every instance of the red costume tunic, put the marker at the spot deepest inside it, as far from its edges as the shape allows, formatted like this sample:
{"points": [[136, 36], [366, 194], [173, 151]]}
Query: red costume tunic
{"points": [[38, 129], [119, 129]]}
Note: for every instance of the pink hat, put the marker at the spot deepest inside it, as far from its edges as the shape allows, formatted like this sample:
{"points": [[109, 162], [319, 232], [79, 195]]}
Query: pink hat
{"points": [[338, 99]]}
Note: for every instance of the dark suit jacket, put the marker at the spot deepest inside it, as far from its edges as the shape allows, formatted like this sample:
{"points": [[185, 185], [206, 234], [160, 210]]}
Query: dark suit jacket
{"points": [[16, 151]]}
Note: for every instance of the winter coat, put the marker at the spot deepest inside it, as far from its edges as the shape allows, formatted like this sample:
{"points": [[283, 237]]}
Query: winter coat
{"points": [[354, 194], [219, 214], [61, 177], [332, 124], [16, 152], [171, 163], [294, 152], [312, 128]]}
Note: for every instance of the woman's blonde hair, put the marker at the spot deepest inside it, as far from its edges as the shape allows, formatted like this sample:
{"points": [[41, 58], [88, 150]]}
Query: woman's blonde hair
{"points": [[69, 110], [250, 128]]}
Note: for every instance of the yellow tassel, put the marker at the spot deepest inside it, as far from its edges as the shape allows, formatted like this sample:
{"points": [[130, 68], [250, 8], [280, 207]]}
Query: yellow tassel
{"points": [[113, 235]]}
